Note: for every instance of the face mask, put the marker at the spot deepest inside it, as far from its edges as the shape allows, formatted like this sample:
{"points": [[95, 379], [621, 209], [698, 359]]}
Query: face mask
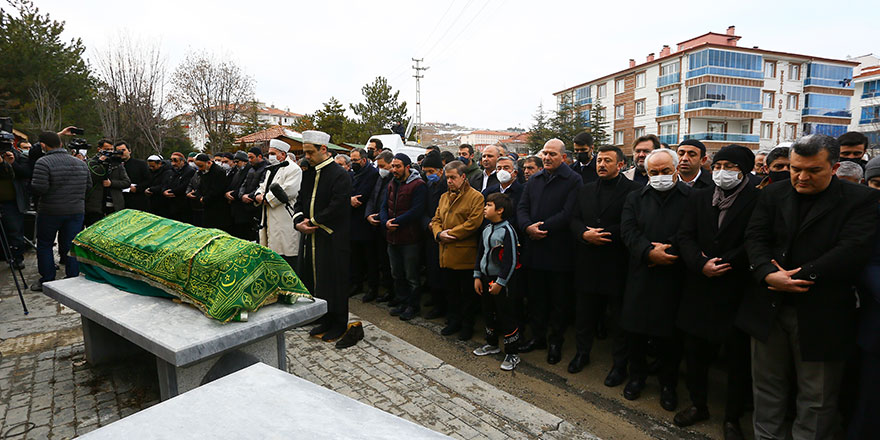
{"points": [[433, 178], [273, 159], [383, 173], [584, 157], [779, 176], [726, 179], [218, 163], [371, 154], [464, 160], [356, 166], [504, 176], [193, 165], [860, 162], [661, 183]]}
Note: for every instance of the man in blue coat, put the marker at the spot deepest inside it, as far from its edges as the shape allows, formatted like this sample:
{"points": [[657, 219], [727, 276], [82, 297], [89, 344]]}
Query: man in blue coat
{"points": [[544, 213]]}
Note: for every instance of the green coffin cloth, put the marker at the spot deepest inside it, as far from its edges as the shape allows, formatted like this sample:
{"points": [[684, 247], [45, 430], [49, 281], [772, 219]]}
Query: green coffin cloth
{"points": [[225, 277]]}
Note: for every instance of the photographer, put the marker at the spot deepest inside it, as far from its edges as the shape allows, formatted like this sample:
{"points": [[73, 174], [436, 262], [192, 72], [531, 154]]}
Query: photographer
{"points": [[14, 176], [108, 180]]}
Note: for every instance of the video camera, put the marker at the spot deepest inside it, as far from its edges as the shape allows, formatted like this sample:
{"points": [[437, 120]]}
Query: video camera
{"points": [[7, 139]]}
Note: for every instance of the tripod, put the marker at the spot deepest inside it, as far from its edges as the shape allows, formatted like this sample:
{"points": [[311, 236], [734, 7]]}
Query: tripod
{"points": [[7, 249]]}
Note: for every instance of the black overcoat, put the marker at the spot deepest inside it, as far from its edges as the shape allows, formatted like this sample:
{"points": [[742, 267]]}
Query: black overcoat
{"points": [[549, 198]]}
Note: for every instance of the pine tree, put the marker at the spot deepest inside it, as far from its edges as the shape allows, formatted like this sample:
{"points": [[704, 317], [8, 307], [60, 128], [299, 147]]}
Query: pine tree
{"points": [[568, 121], [381, 107], [598, 124], [539, 132], [332, 120]]}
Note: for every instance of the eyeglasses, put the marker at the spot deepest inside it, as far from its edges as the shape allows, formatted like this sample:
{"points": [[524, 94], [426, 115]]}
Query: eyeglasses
{"points": [[174, 159]]}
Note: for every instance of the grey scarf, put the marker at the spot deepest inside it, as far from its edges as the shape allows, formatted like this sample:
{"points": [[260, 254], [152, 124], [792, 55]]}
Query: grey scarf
{"points": [[723, 203]]}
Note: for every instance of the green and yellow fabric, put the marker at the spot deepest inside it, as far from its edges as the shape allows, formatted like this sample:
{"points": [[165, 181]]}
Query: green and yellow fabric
{"points": [[225, 277]]}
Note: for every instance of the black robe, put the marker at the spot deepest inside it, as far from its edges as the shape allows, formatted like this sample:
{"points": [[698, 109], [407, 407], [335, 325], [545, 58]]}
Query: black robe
{"points": [[212, 189], [324, 256], [140, 176]]}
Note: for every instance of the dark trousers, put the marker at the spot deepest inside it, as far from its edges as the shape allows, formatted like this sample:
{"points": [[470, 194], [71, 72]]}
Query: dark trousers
{"points": [[65, 227], [244, 231], [404, 259], [699, 354], [500, 314], [433, 276], [364, 265], [589, 311], [13, 225], [551, 300], [385, 279], [461, 299], [865, 422], [669, 355], [92, 218]]}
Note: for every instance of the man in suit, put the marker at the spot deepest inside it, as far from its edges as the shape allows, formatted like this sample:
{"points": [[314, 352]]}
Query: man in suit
{"points": [[364, 265], [804, 239], [601, 258], [544, 213], [487, 177], [585, 164], [691, 158], [641, 148], [505, 171], [710, 243]]}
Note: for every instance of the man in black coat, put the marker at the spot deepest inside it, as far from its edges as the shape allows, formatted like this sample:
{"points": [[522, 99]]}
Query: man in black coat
{"points": [[242, 217], [691, 158], [544, 213], [160, 176], [139, 174], [585, 164], [323, 216], [805, 240], [488, 160], [364, 266], [379, 193], [601, 259], [175, 191], [248, 189], [435, 179], [211, 190], [650, 220], [710, 243], [508, 183]]}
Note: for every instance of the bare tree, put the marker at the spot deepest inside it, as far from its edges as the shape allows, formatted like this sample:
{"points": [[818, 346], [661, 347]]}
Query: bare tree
{"points": [[215, 92], [46, 106], [131, 94]]}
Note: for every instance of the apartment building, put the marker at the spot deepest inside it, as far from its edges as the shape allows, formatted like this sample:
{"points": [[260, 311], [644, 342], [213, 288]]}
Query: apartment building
{"points": [[482, 138], [712, 90], [866, 101]]}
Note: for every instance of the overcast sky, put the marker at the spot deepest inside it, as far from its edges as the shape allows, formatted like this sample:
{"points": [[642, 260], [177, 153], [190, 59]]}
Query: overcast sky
{"points": [[491, 62]]}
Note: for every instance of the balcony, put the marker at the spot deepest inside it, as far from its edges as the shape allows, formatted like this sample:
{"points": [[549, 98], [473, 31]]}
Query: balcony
{"points": [[672, 78], [584, 101], [669, 139], [845, 83], [727, 105], [723, 137], [871, 94], [671, 109], [869, 121], [724, 71], [829, 112]]}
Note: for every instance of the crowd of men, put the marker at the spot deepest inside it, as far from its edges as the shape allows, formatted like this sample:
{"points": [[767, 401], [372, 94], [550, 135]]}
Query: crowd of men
{"points": [[772, 260]]}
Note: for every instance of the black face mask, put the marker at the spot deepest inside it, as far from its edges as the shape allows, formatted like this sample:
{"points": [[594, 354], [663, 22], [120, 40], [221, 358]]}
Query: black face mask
{"points": [[779, 176], [371, 154], [356, 166], [860, 162], [584, 157]]}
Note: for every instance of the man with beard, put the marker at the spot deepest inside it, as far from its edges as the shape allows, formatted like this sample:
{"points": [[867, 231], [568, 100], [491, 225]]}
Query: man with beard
{"points": [[852, 147], [691, 158], [160, 177], [323, 215], [641, 147], [174, 192], [777, 167]]}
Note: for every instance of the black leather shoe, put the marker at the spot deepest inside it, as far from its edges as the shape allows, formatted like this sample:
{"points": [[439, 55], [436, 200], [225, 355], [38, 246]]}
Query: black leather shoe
{"points": [[554, 354], [633, 389], [385, 298], [370, 296], [532, 345], [668, 398], [398, 310], [732, 431], [466, 333], [615, 377], [333, 334], [578, 363], [409, 313], [351, 337], [18, 265], [435, 313], [319, 330], [690, 416], [450, 329]]}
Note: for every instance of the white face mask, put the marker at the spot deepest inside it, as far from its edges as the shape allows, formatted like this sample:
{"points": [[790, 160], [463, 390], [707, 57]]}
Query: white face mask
{"points": [[273, 159], [726, 179], [383, 173], [661, 183], [504, 176]]}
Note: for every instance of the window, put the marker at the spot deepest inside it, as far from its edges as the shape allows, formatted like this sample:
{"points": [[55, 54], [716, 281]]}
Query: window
{"points": [[669, 98], [871, 89], [746, 127], [790, 131], [669, 133], [767, 99], [618, 137], [619, 86], [792, 101], [638, 132], [826, 105], [669, 74], [826, 129], [619, 111], [870, 115], [602, 114], [722, 62], [716, 127], [794, 72], [723, 96], [640, 108], [669, 68], [582, 96], [769, 69], [641, 79], [829, 76], [601, 90], [766, 130]]}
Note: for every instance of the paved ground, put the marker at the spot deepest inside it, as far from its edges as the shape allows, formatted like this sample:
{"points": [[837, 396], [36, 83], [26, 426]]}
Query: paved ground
{"points": [[47, 390]]}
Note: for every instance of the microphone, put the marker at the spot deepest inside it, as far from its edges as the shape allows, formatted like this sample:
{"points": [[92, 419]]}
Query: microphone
{"points": [[279, 193]]}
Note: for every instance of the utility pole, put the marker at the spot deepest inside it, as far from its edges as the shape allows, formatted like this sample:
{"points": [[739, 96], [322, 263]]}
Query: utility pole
{"points": [[418, 76]]}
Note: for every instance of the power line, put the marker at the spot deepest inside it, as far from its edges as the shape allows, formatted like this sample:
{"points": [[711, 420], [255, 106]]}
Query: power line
{"points": [[461, 32], [449, 28], [436, 26]]}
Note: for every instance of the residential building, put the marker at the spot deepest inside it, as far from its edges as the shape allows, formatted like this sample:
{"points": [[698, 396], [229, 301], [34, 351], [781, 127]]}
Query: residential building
{"points": [[866, 101], [266, 115], [518, 144], [714, 91], [483, 138]]}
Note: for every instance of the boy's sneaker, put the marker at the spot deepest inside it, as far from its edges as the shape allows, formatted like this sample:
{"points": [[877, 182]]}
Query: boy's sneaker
{"points": [[510, 362], [487, 350]]}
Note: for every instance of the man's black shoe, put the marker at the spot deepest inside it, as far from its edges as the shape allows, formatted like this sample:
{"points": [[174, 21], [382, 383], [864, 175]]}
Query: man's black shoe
{"points": [[395, 302], [633, 389], [615, 377], [435, 313], [732, 431], [385, 298], [398, 310], [554, 354], [319, 330], [351, 337], [450, 329], [690, 416], [466, 333], [532, 345], [37, 286], [668, 398], [578, 363], [409, 313], [333, 334], [370, 296]]}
